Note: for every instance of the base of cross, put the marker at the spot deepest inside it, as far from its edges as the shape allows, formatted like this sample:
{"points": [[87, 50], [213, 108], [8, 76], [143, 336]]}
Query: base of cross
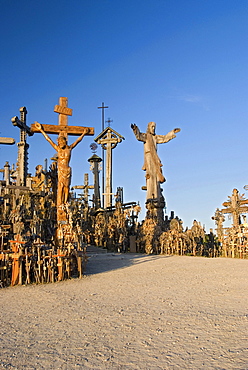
{"points": [[64, 231], [61, 214]]}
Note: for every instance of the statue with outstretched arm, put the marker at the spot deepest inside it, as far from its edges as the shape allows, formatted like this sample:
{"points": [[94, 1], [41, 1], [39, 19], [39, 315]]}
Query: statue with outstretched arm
{"points": [[152, 164]]}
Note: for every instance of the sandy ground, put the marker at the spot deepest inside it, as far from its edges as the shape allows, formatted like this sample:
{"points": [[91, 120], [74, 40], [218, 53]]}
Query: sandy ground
{"points": [[131, 312]]}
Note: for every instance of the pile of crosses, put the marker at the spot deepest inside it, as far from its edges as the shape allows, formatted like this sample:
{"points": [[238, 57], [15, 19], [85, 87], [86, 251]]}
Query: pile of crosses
{"points": [[233, 240], [38, 263], [115, 228], [45, 228], [34, 247], [40, 228], [171, 239]]}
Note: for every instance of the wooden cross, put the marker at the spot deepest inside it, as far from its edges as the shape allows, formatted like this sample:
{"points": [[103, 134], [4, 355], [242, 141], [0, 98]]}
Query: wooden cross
{"points": [[21, 123], [85, 187], [103, 159], [236, 206], [108, 139], [62, 129], [22, 161], [63, 150], [16, 260]]}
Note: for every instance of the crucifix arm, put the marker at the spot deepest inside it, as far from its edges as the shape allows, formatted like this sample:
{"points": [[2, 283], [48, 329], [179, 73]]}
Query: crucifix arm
{"points": [[76, 142], [39, 127]]}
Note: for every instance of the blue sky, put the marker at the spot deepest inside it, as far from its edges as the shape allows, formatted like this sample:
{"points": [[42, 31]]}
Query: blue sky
{"points": [[178, 63]]}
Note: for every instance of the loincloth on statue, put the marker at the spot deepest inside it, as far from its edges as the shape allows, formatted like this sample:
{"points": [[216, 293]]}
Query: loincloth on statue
{"points": [[64, 176]]}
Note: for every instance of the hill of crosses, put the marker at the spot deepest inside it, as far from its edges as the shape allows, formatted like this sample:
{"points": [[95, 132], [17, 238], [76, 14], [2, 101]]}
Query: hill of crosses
{"points": [[45, 227]]}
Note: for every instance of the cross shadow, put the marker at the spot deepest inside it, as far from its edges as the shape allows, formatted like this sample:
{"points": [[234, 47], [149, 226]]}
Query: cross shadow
{"points": [[103, 262]]}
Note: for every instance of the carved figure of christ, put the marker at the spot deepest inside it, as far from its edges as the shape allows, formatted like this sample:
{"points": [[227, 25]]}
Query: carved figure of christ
{"points": [[152, 164], [62, 148], [64, 155]]}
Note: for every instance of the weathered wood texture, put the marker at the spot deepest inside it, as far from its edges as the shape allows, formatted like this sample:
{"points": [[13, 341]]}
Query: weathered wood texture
{"points": [[70, 130], [7, 140]]}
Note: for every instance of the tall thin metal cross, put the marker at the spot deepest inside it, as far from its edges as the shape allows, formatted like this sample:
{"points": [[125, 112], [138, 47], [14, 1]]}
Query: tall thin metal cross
{"points": [[102, 108]]}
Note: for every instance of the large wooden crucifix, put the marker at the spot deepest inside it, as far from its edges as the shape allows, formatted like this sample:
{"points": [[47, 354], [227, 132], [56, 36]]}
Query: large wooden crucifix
{"points": [[236, 206], [63, 149], [108, 139]]}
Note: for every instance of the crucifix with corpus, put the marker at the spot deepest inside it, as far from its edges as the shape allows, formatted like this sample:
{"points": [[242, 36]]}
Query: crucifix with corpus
{"points": [[63, 149]]}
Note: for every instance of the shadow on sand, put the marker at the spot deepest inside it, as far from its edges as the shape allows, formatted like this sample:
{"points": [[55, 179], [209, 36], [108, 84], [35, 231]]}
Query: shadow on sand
{"points": [[100, 261]]}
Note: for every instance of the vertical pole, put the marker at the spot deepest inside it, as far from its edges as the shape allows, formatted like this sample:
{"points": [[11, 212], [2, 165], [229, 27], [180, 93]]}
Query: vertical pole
{"points": [[103, 161], [108, 189], [96, 185], [7, 182]]}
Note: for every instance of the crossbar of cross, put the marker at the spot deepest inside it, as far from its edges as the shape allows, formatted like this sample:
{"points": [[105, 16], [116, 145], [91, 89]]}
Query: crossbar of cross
{"points": [[62, 128], [21, 123], [7, 140]]}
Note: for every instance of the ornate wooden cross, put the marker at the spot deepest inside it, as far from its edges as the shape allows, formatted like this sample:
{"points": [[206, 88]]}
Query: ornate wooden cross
{"points": [[236, 206], [108, 139], [62, 129], [103, 159]]}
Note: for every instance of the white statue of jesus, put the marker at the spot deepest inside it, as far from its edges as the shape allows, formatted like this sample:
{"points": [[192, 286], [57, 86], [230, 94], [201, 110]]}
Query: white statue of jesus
{"points": [[152, 164]]}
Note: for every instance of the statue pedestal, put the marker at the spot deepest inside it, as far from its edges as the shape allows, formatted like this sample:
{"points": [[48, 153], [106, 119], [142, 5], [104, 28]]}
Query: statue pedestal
{"points": [[155, 210], [132, 240], [153, 224]]}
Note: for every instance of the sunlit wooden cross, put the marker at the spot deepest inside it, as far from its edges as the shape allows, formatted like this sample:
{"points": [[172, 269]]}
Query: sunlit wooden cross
{"points": [[62, 129], [63, 150], [108, 139], [85, 187], [7, 140], [236, 206]]}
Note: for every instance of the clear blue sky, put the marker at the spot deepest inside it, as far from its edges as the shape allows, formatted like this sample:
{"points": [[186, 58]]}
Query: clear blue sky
{"points": [[176, 62]]}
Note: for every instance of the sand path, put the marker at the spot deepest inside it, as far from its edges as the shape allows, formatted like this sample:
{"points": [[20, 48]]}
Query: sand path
{"points": [[131, 312]]}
